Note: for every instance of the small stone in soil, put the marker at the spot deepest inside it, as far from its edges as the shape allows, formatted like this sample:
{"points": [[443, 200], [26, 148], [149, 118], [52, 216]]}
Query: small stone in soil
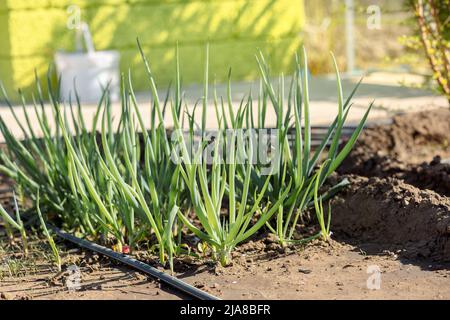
{"points": [[305, 271], [5, 296], [140, 277], [272, 247]]}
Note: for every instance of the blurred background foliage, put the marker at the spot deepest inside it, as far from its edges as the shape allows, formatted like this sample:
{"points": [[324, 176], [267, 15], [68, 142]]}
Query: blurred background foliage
{"points": [[32, 30], [376, 48], [432, 37]]}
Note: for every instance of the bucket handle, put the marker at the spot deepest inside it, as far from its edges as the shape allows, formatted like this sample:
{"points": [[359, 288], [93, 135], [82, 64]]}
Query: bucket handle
{"points": [[83, 33]]}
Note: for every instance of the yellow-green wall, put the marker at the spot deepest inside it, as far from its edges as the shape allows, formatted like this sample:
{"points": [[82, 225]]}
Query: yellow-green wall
{"points": [[31, 31]]}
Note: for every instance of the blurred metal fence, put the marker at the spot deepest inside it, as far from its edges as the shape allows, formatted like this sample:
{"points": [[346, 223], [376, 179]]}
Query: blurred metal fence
{"points": [[378, 28]]}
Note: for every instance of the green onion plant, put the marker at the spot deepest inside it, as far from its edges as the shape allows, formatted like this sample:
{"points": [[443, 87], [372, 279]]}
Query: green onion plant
{"points": [[132, 185], [49, 237], [16, 224], [298, 164]]}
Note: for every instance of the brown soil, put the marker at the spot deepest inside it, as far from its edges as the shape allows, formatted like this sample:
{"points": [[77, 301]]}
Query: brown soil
{"points": [[395, 217], [410, 140], [392, 213], [319, 271], [394, 200], [434, 175], [34, 277]]}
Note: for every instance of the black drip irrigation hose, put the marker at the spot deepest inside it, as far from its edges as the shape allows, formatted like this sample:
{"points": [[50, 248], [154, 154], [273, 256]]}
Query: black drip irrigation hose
{"points": [[136, 264]]}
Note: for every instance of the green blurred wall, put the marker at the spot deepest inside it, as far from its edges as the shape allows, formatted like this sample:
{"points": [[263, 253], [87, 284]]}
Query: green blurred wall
{"points": [[31, 31]]}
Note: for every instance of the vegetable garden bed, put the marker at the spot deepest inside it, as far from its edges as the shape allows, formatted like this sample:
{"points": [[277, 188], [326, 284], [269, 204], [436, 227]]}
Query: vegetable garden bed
{"points": [[234, 228], [412, 268]]}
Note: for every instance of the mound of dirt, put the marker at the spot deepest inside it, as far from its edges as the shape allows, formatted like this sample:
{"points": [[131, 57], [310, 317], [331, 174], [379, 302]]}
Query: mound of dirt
{"points": [[390, 212], [411, 139], [433, 176]]}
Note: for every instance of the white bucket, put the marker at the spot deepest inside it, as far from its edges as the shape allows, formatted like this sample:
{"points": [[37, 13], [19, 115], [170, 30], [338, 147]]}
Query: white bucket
{"points": [[90, 71]]}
